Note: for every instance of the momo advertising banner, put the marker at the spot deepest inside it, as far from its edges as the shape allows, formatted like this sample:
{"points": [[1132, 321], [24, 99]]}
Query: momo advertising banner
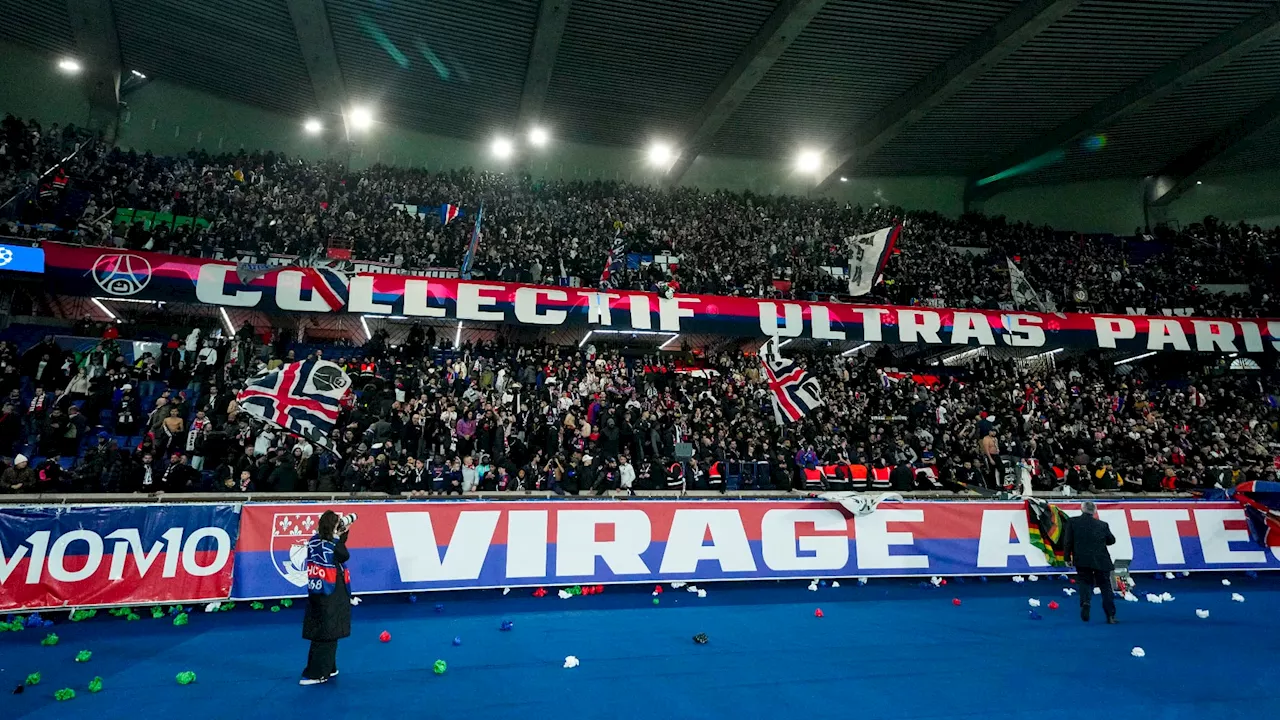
{"points": [[399, 546], [79, 556], [107, 272]]}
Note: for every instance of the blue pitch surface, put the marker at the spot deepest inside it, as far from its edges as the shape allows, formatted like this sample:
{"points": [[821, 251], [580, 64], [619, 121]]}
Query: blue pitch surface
{"points": [[890, 649]]}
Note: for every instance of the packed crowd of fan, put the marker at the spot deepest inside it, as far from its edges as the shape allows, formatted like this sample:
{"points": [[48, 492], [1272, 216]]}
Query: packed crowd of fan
{"points": [[536, 231], [430, 419]]}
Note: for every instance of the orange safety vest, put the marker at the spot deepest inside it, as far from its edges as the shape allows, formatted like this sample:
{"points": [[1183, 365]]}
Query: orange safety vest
{"points": [[858, 473], [880, 478]]}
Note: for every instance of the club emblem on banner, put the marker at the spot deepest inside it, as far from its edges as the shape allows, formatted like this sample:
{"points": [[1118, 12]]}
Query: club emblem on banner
{"points": [[121, 275], [289, 535]]}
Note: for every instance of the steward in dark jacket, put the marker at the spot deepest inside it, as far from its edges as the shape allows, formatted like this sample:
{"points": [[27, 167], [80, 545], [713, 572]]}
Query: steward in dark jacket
{"points": [[328, 616], [1086, 548]]}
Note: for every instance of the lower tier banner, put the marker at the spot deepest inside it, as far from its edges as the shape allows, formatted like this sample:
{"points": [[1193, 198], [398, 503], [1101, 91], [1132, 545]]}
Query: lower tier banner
{"points": [[77, 556], [399, 546]]}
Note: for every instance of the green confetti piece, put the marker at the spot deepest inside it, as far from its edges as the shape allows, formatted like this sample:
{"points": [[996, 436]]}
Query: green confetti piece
{"points": [[224, 607], [120, 612], [575, 590], [256, 605], [79, 615], [33, 678], [275, 608], [175, 609], [16, 626], [157, 613], [83, 656], [439, 667], [4, 627], [133, 616], [20, 620], [64, 694], [95, 685], [50, 640], [655, 601], [181, 620], [286, 603], [185, 677]]}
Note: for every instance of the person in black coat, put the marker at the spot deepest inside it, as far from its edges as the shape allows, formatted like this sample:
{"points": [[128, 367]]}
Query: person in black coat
{"points": [[1086, 548], [328, 616]]}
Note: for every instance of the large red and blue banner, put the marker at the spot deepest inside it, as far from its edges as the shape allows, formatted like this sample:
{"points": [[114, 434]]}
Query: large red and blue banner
{"points": [[66, 556], [113, 273], [406, 546]]}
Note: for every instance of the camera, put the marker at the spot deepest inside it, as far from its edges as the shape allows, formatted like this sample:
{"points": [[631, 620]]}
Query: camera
{"points": [[346, 521]]}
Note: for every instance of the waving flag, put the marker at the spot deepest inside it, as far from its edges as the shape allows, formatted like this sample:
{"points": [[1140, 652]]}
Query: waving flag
{"points": [[868, 254], [794, 392], [330, 284], [1048, 526], [470, 257], [1261, 500], [302, 398], [614, 260], [449, 213]]}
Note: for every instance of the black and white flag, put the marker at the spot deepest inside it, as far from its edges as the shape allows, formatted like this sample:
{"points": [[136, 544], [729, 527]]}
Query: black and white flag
{"points": [[867, 256]]}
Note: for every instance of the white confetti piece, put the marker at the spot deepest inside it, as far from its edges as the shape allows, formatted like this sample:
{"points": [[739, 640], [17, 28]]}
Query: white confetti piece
{"points": [[1068, 591], [356, 601], [1168, 576], [1033, 578], [1186, 573], [1153, 598], [702, 593], [935, 580], [1138, 652], [1167, 597], [212, 607], [813, 588], [1226, 582], [862, 581], [1033, 602], [1097, 591], [1237, 597], [565, 594], [1202, 614], [571, 662], [1018, 578], [677, 585], [1130, 597], [835, 583], [506, 590], [692, 589]]}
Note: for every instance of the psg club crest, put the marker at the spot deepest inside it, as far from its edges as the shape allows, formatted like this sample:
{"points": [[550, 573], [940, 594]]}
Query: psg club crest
{"points": [[121, 274], [289, 535]]}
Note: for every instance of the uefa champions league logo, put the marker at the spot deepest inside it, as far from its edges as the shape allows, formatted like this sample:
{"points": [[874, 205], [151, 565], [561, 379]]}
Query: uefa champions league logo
{"points": [[6, 256], [121, 275], [289, 535]]}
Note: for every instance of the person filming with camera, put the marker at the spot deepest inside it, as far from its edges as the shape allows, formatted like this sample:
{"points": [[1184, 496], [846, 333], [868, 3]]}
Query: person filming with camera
{"points": [[328, 616]]}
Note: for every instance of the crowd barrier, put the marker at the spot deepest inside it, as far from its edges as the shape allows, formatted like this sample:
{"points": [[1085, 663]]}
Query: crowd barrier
{"points": [[65, 556]]}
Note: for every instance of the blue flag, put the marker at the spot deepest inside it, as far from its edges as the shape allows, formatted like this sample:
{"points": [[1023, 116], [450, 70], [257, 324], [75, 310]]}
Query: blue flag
{"points": [[470, 257]]}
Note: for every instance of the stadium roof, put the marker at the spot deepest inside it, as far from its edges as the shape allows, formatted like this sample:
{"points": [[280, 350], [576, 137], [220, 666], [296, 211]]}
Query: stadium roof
{"points": [[1067, 89]]}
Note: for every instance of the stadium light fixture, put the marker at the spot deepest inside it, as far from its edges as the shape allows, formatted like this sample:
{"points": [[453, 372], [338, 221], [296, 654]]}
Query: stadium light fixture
{"points": [[863, 346], [457, 336], [661, 155], [226, 320], [670, 340], [1047, 353], [138, 75], [844, 179], [103, 308], [70, 66], [1135, 358], [365, 324], [360, 117], [809, 162], [313, 126], [538, 136], [502, 147]]}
